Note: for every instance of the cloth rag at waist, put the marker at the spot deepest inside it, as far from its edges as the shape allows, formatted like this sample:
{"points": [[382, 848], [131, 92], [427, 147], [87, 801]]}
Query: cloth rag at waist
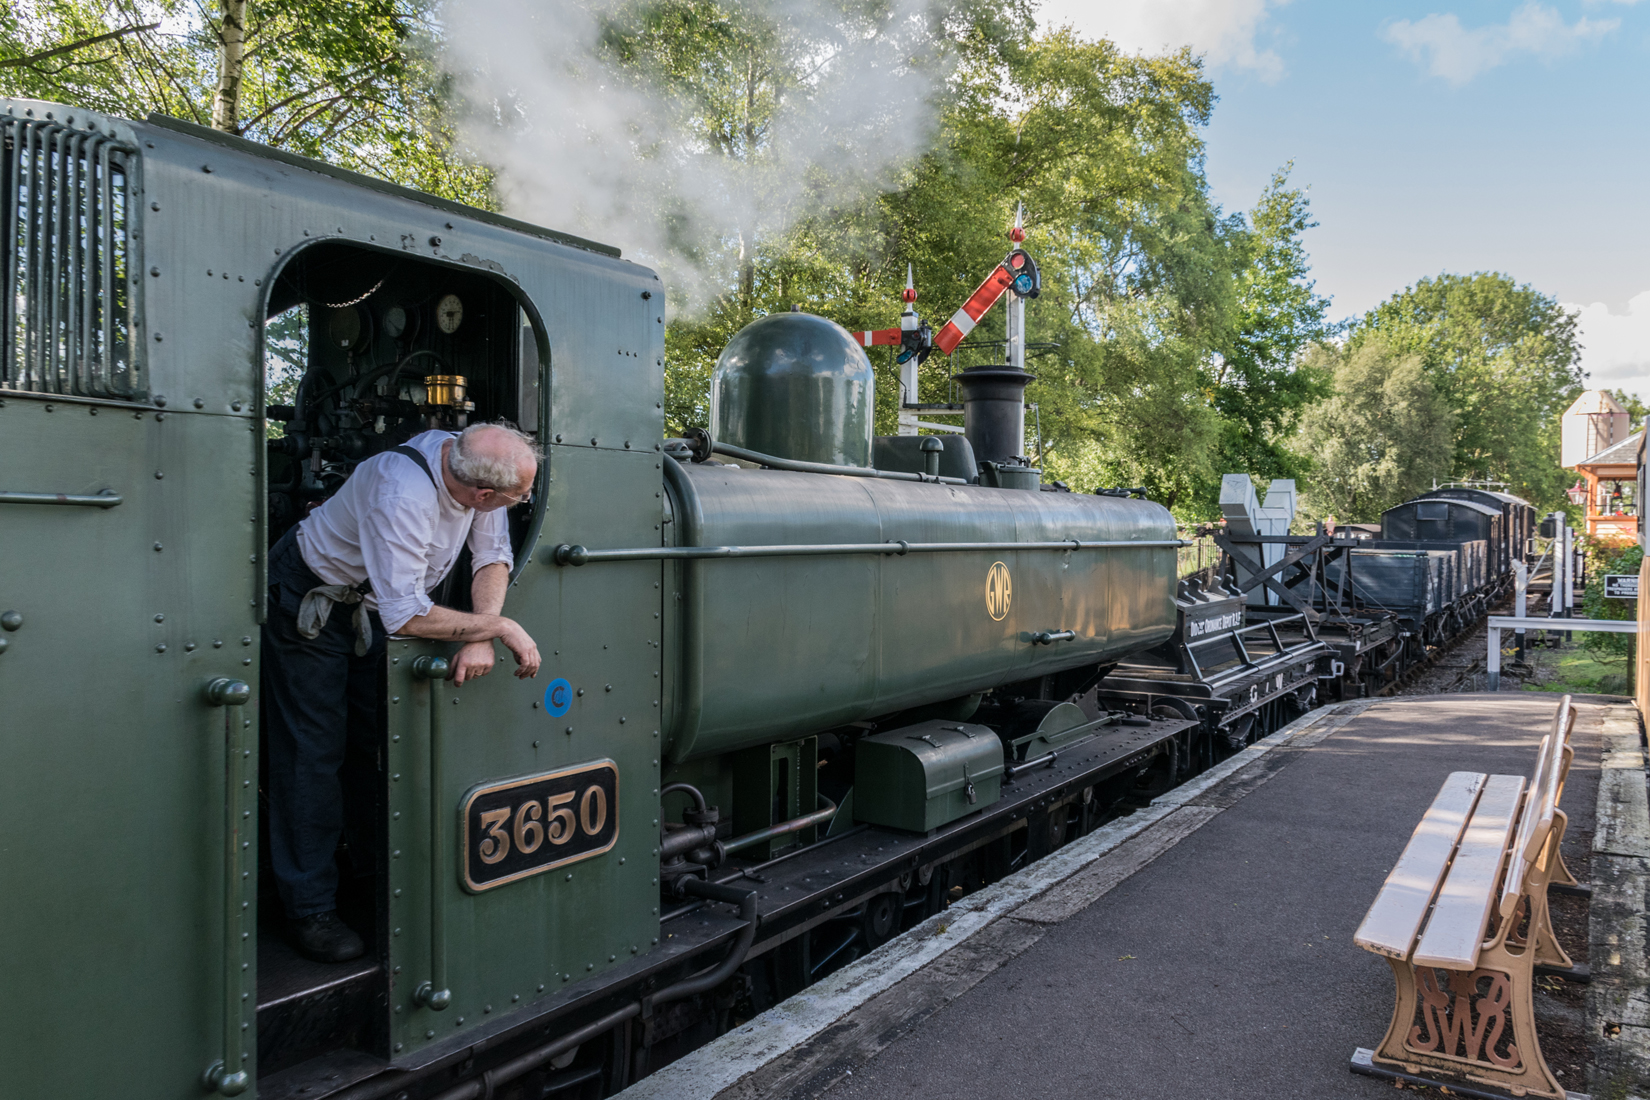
{"points": [[316, 608]]}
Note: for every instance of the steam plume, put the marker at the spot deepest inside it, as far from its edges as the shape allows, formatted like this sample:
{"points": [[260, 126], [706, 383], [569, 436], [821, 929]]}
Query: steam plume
{"points": [[634, 156]]}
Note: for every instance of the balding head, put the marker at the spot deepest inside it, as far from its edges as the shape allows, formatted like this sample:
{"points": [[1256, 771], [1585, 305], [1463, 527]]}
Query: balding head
{"points": [[494, 456]]}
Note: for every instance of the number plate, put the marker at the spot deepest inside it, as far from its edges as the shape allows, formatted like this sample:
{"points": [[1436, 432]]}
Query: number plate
{"points": [[519, 827]]}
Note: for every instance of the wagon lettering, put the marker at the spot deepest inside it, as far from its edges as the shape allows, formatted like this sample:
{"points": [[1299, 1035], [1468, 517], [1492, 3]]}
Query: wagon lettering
{"points": [[1199, 628]]}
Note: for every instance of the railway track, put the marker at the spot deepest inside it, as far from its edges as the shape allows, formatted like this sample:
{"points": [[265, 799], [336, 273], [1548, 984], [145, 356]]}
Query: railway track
{"points": [[1459, 664]]}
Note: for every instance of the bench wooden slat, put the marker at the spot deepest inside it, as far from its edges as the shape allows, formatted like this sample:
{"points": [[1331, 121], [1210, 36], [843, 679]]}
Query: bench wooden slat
{"points": [[1394, 920], [1542, 783], [1551, 768], [1455, 929], [1536, 822]]}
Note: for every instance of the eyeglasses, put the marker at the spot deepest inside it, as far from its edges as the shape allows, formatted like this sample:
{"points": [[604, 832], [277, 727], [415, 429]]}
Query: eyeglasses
{"points": [[514, 500]]}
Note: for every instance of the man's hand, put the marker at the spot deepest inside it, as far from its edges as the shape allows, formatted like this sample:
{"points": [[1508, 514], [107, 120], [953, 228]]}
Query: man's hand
{"points": [[478, 628], [526, 651], [472, 660]]}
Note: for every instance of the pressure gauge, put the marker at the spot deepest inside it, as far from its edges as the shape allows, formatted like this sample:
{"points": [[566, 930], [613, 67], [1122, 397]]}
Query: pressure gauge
{"points": [[449, 313], [395, 322], [345, 328]]}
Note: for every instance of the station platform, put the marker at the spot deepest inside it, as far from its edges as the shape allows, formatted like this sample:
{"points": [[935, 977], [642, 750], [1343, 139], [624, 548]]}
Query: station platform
{"points": [[1202, 947]]}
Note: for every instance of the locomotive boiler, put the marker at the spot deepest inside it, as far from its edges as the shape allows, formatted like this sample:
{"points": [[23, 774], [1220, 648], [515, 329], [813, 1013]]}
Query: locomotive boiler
{"points": [[792, 700]]}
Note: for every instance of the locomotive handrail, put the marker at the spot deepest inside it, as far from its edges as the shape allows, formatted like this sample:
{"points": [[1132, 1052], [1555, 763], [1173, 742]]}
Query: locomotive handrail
{"points": [[795, 466], [108, 498], [701, 446], [689, 526], [228, 1075], [573, 554], [435, 994]]}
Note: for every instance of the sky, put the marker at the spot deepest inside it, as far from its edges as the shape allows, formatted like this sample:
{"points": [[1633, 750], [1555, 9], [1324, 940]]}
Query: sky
{"points": [[1445, 135]]}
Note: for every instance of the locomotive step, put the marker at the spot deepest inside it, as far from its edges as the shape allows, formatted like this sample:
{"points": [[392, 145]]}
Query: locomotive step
{"points": [[306, 1008]]}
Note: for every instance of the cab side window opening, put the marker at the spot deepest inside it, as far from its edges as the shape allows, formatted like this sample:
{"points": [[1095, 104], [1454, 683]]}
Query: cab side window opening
{"points": [[286, 358], [366, 349]]}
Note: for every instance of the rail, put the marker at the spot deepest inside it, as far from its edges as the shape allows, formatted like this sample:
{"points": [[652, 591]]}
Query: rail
{"points": [[108, 498], [575, 555], [1498, 623], [1197, 554], [228, 1077], [434, 994], [1245, 661]]}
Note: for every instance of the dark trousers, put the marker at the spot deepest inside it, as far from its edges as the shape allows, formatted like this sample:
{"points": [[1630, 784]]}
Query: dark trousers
{"points": [[320, 702]]}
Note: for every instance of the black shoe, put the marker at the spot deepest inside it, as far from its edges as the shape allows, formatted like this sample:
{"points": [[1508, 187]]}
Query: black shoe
{"points": [[325, 938]]}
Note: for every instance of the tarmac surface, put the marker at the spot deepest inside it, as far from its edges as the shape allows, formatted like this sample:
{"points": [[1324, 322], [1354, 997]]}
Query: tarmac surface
{"points": [[1209, 954]]}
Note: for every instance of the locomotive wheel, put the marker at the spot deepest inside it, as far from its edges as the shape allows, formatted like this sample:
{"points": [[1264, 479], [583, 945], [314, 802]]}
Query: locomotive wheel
{"points": [[1161, 774], [881, 919]]}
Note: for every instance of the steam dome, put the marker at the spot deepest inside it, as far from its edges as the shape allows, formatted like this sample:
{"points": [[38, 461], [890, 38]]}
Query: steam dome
{"points": [[796, 386]]}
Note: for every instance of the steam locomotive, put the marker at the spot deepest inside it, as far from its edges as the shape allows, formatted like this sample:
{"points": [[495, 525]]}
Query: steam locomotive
{"points": [[792, 701]]}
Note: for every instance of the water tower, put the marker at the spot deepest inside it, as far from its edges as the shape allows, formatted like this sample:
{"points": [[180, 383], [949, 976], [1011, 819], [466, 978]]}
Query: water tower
{"points": [[1595, 422]]}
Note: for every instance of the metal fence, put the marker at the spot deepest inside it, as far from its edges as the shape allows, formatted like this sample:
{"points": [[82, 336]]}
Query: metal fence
{"points": [[1199, 553]]}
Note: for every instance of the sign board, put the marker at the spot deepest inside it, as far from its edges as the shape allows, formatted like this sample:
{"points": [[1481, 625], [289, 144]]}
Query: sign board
{"points": [[1621, 586]]}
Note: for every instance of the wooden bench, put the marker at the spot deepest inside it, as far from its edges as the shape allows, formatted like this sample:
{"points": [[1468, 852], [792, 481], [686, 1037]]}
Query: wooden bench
{"points": [[1463, 921]]}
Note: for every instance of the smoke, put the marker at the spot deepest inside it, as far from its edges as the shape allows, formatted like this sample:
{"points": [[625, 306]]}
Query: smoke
{"points": [[688, 134]]}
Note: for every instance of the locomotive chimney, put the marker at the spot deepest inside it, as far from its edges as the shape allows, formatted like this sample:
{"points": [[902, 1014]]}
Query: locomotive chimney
{"points": [[994, 411]]}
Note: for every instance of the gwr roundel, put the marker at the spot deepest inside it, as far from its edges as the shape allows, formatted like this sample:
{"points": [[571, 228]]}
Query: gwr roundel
{"points": [[999, 591]]}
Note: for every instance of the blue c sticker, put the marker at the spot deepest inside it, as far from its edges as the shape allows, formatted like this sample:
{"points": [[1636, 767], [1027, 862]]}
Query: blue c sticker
{"points": [[558, 696]]}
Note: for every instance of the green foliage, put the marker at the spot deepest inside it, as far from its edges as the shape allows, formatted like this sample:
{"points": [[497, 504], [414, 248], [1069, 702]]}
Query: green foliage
{"points": [[1605, 558], [1582, 670], [286, 357], [1505, 357], [1261, 385], [352, 82], [1172, 331], [1380, 439], [1636, 409]]}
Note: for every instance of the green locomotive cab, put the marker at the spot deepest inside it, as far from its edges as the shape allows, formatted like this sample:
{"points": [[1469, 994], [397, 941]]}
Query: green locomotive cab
{"points": [[158, 274]]}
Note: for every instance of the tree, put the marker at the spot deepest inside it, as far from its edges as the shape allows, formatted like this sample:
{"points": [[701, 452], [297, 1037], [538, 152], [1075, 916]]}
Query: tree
{"points": [[727, 143], [1260, 386], [1506, 359], [352, 82], [1636, 409], [1382, 436], [1141, 271]]}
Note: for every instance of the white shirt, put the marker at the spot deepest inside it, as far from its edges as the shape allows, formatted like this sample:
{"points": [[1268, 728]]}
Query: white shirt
{"points": [[389, 525]]}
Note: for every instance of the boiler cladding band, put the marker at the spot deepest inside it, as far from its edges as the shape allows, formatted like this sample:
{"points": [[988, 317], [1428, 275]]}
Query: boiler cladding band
{"points": [[577, 555]]}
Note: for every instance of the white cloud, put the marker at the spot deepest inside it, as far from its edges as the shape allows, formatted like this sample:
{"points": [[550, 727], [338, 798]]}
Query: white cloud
{"points": [[1616, 346], [1458, 53], [1223, 31]]}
